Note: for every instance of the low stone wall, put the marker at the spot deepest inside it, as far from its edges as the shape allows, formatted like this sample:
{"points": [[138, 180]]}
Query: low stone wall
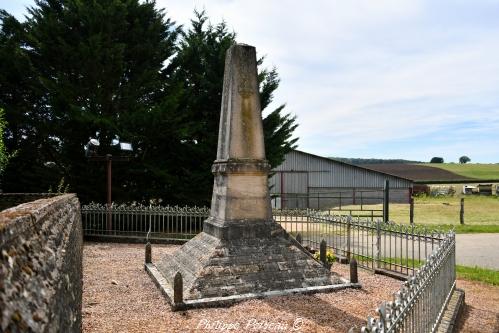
{"points": [[8, 200], [41, 266]]}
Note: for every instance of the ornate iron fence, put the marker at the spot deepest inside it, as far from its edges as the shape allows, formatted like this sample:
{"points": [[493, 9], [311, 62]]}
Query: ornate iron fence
{"points": [[136, 222], [426, 256], [419, 305], [376, 245]]}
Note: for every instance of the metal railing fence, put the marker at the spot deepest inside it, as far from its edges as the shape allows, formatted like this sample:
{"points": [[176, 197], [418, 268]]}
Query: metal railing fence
{"points": [[376, 245], [419, 305], [170, 223], [426, 257]]}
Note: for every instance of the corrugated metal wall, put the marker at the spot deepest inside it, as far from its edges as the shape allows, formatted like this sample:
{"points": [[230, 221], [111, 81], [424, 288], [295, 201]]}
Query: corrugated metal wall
{"points": [[327, 173]]}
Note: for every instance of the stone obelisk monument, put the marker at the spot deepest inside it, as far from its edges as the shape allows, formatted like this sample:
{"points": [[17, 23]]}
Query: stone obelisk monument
{"points": [[241, 250]]}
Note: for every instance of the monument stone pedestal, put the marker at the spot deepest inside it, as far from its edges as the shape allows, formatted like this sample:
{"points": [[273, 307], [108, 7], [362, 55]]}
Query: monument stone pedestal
{"points": [[242, 252]]}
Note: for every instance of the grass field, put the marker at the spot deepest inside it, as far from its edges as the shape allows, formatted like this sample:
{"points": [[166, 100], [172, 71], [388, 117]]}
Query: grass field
{"points": [[471, 170], [486, 275], [481, 213]]}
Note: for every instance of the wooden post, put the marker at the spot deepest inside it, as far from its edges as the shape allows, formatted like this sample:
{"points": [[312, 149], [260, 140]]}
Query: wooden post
{"points": [[386, 201], [461, 213], [109, 160], [411, 211]]}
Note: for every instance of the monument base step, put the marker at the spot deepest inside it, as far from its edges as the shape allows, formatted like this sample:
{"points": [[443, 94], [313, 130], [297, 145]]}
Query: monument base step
{"points": [[223, 268], [222, 301]]}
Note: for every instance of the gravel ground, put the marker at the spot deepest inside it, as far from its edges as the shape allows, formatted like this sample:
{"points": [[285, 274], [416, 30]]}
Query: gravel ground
{"points": [[118, 296]]}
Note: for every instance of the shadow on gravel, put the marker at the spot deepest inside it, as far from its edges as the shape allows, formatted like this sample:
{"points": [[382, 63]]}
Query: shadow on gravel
{"points": [[320, 312], [465, 314]]}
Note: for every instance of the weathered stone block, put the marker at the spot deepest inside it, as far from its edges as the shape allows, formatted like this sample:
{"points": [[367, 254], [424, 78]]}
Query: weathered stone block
{"points": [[41, 266]]}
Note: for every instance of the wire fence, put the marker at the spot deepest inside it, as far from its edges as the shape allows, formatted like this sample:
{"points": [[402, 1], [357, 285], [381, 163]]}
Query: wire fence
{"points": [[420, 304]]}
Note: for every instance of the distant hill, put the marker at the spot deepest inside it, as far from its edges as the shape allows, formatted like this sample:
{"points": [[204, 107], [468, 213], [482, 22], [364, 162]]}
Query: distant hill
{"points": [[418, 172], [362, 161], [470, 170], [443, 173]]}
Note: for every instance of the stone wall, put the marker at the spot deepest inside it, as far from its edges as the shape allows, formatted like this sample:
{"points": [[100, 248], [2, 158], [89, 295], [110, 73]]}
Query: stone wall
{"points": [[41, 266], [8, 200]]}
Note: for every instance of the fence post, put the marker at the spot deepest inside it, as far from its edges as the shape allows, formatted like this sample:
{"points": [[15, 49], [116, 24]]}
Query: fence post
{"points": [[349, 234], [386, 200], [148, 253], [461, 213], [378, 244], [411, 211], [298, 238], [361, 200], [354, 278], [322, 252], [178, 289]]}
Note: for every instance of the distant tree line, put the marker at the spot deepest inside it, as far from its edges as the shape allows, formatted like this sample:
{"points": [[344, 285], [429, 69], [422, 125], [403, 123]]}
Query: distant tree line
{"points": [[119, 69], [361, 161]]}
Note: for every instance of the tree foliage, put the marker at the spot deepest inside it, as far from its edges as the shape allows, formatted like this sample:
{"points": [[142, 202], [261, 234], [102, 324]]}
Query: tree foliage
{"points": [[109, 69], [437, 160], [4, 157], [464, 159]]}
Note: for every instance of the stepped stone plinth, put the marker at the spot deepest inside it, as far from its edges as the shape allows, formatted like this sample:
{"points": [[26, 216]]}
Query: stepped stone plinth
{"points": [[242, 252]]}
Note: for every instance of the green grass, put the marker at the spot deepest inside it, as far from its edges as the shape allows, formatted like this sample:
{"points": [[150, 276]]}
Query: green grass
{"points": [[471, 229], [481, 213], [485, 275], [471, 170]]}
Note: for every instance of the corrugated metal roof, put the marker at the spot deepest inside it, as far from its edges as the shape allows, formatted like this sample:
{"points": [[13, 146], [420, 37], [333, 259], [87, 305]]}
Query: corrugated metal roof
{"points": [[325, 172]]}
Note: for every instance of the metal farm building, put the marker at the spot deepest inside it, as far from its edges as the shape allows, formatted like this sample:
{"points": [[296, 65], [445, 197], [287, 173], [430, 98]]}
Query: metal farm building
{"points": [[305, 180]]}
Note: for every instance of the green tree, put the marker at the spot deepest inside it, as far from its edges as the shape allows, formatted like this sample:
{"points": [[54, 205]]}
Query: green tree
{"points": [[4, 157], [116, 68], [95, 69], [464, 159], [198, 68], [437, 160]]}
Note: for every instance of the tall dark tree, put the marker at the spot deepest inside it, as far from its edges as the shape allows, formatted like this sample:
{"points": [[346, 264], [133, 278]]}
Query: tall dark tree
{"points": [[117, 69], [95, 69], [199, 69]]}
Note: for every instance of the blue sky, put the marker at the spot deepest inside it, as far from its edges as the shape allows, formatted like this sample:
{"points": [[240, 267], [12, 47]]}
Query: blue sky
{"points": [[384, 79]]}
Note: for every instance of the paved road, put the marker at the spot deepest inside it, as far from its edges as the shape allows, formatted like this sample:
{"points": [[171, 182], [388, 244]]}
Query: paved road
{"points": [[472, 249], [478, 249]]}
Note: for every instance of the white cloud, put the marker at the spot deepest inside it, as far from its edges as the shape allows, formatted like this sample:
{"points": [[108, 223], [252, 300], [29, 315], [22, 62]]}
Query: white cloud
{"points": [[381, 77]]}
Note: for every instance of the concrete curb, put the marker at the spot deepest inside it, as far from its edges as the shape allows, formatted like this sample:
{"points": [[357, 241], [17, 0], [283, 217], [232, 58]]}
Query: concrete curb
{"points": [[452, 312]]}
